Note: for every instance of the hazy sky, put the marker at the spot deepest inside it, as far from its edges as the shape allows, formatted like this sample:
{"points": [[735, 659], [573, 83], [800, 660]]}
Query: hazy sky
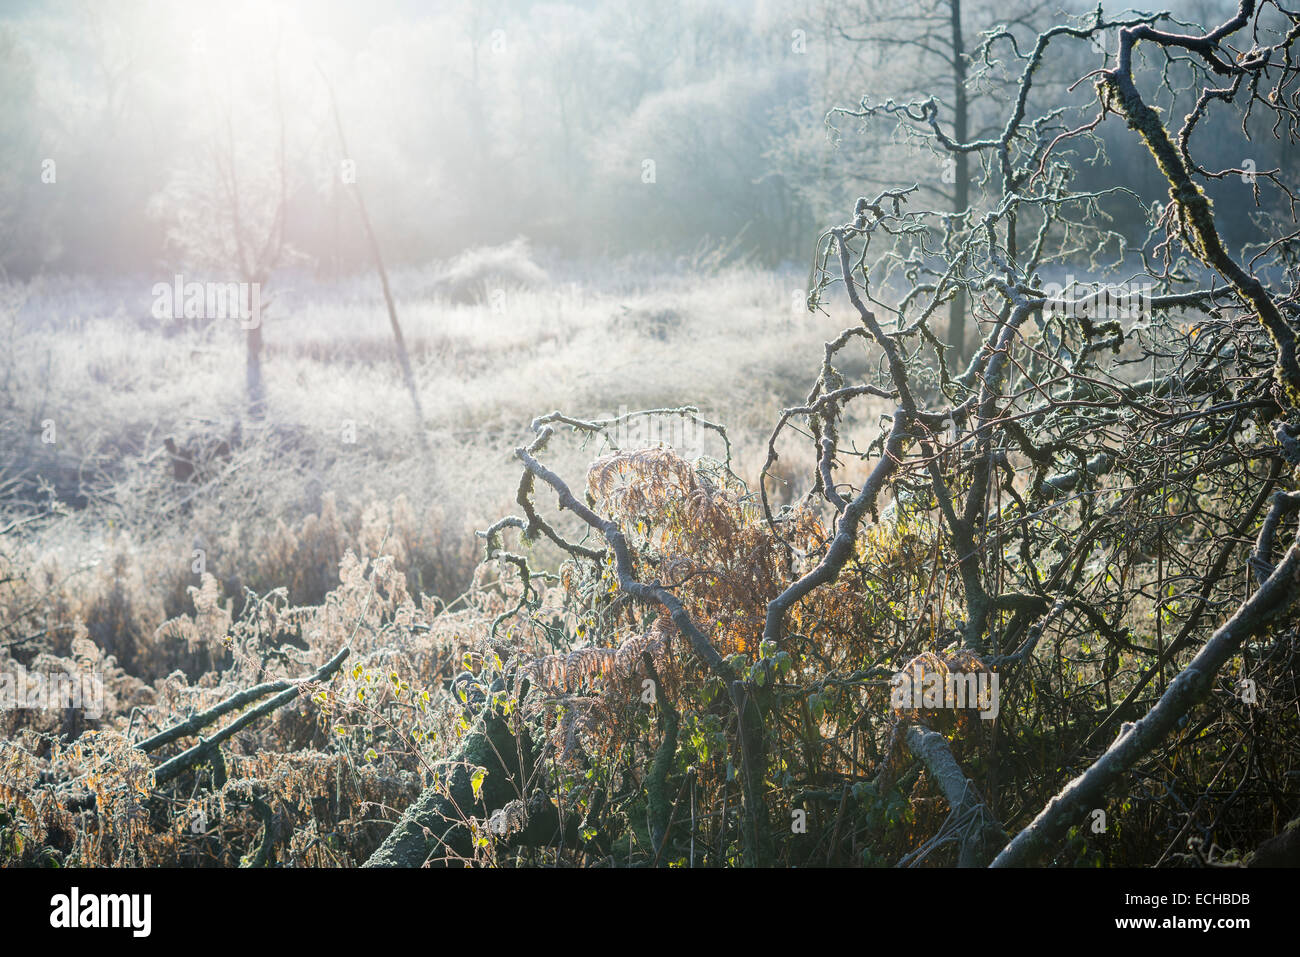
{"points": [[588, 127]]}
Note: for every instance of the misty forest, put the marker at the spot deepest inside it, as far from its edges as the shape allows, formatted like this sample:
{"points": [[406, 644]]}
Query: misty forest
{"points": [[686, 434]]}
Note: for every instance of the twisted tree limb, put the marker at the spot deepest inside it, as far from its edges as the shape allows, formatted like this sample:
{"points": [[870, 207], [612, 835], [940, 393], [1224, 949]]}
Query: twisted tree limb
{"points": [[748, 714], [846, 532], [1120, 94]]}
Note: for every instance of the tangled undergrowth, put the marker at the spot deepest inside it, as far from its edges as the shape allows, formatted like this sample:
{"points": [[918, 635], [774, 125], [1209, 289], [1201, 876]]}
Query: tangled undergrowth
{"points": [[637, 740], [315, 782]]}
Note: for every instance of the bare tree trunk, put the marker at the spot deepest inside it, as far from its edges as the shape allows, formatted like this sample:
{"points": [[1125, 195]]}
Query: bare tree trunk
{"points": [[403, 357], [961, 191], [253, 367], [438, 829]]}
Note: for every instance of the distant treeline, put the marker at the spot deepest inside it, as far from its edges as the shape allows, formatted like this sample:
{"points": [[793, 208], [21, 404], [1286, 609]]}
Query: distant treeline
{"points": [[610, 127]]}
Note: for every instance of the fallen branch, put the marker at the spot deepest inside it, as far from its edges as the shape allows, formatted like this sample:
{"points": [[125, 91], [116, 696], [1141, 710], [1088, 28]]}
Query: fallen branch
{"points": [[1190, 687], [982, 836], [202, 719], [206, 746], [436, 830]]}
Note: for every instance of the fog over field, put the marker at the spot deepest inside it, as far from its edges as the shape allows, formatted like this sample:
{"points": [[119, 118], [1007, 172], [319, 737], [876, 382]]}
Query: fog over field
{"points": [[618, 434]]}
